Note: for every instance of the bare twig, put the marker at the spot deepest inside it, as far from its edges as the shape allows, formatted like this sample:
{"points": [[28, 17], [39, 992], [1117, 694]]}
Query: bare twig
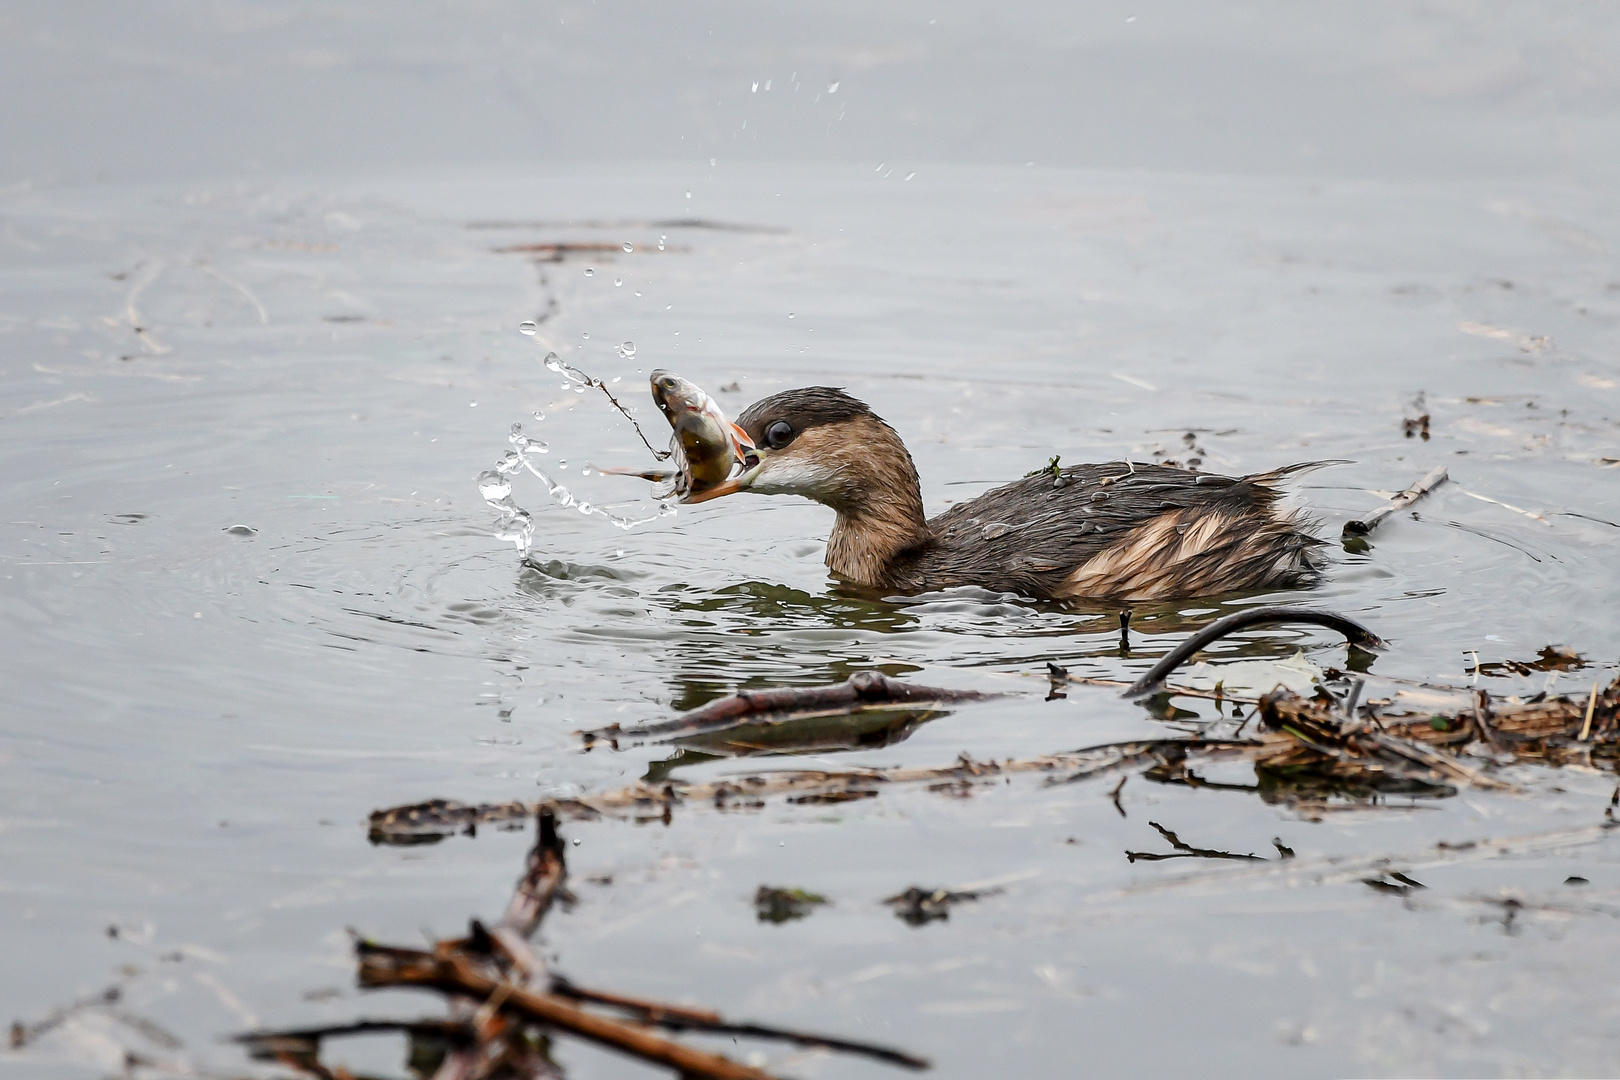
{"points": [[1363, 526], [678, 1018], [863, 690], [1153, 681], [447, 970]]}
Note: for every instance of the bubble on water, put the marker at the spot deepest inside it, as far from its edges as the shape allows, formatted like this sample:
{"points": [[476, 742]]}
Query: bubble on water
{"points": [[628, 247], [832, 88], [493, 486], [585, 470], [589, 272], [627, 351], [617, 282], [638, 292], [790, 314], [528, 327]]}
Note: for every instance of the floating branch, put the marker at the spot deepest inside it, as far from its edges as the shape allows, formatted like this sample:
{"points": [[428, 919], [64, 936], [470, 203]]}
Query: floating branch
{"points": [[1153, 681], [863, 691], [502, 997], [1436, 477]]}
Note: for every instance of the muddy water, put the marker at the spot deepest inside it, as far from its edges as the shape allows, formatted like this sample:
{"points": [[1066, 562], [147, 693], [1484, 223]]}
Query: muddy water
{"points": [[250, 593]]}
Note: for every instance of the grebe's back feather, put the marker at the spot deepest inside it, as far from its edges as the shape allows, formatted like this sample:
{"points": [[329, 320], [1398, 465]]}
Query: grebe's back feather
{"points": [[1120, 531]]}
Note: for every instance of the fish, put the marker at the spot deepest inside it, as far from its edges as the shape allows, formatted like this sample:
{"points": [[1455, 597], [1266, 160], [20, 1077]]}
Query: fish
{"points": [[705, 447]]}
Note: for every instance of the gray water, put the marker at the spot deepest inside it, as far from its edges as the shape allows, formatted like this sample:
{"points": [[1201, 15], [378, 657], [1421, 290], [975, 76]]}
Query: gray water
{"points": [[251, 593]]}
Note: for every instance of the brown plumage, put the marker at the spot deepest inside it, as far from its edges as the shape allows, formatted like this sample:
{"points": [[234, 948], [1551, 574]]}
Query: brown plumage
{"points": [[1117, 531]]}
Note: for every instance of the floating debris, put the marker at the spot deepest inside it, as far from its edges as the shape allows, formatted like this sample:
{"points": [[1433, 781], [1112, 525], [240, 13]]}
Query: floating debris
{"points": [[918, 907], [505, 1004], [776, 905]]}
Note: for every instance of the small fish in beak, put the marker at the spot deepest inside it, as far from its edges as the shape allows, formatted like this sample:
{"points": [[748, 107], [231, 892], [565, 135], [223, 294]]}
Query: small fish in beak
{"points": [[706, 447]]}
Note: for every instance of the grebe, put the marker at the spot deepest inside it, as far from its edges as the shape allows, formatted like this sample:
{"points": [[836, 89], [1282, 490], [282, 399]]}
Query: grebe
{"points": [[1116, 531]]}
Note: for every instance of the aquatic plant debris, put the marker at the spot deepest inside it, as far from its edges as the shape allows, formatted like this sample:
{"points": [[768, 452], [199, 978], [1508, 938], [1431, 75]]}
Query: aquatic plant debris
{"points": [[502, 998], [1310, 747], [774, 904], [860, 692]]}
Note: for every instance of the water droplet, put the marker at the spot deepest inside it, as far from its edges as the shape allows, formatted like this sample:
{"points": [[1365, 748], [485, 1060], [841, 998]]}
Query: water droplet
{"points": [[790, 314], [711, 163], [562, 463], [528, 327], [493, 486], [584, 507], [628, 247], [538, 415], [832, 88], [638, 292], [661, 240], [627, 351], [589, 272], [553, 362], [880, 166], [617, 282], [756, 88], [909, 175], [586, 471], [587, 337], [688, 194]]}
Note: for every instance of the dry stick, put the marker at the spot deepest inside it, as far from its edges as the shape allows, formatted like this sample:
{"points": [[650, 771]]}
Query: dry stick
{"points": [[862, 690], [453, 974], [1591, 706], [1362, 527], [1153, 681], [678, 1018]]}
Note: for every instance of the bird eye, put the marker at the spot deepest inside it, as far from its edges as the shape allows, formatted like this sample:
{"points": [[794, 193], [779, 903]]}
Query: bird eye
{"points": [[779, 435]]}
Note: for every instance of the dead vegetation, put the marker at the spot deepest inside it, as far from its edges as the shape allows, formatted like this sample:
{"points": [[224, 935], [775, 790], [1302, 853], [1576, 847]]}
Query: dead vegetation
{"points": [[505, 1006]]}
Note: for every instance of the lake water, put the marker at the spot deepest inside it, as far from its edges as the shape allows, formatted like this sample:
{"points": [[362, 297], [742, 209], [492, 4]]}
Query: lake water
{"points": [[250, 593]]}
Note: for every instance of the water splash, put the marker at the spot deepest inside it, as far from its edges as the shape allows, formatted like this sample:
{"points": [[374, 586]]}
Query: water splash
{"points": [[516, 525]]}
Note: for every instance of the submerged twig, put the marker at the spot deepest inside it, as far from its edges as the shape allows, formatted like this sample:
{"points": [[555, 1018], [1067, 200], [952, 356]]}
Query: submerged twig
{"points": [[863, 690], [1153, 680], [1363, 526]]}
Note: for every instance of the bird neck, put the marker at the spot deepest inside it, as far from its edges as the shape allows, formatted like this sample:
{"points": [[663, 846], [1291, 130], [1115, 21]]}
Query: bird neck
{"points": [[880, 514]]}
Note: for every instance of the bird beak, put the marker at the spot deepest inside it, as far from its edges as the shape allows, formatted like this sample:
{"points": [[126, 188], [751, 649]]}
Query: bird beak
{"points": [[752, 458]]}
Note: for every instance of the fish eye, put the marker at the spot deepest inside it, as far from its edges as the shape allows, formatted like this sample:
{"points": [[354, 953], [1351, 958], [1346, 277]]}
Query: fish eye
{"points": [[667, 382], [779, 434]]}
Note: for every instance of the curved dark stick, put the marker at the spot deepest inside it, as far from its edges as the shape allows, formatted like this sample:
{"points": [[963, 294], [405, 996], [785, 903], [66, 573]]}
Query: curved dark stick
{"points": [[1153, 681]]}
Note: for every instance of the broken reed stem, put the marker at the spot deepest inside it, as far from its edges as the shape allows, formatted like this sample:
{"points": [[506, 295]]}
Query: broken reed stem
{"points": [[1363, 526], [452, 974], [1591, 707]]}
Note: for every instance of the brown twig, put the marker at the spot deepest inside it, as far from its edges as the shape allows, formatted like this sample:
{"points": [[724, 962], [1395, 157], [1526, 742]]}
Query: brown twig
{"points": [[449, 971], [678, 1018], [864, 690], [1363, 526]]}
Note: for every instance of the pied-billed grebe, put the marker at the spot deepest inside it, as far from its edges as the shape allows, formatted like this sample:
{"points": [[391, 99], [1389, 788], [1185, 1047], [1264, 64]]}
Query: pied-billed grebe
{"points": [[1117, 531]]}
